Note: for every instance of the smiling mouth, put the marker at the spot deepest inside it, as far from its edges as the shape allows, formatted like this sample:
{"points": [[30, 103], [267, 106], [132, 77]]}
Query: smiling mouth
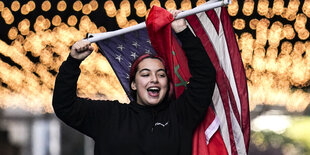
{"points": [[153, 91]]}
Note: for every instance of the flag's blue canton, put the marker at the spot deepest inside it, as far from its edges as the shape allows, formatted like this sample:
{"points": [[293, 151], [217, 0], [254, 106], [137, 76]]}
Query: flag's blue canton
{"points": [[122, 50]]}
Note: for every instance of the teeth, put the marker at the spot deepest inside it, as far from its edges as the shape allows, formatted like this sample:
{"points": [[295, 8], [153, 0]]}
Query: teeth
{"points": [[153, 89]]}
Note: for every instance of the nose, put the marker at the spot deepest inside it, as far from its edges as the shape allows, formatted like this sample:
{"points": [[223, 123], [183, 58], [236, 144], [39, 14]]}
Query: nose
{"points": [[154, 78]]}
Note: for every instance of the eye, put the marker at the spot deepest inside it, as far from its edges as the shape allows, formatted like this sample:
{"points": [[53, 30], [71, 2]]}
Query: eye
{"points": [[145, 74], [162, 75]]}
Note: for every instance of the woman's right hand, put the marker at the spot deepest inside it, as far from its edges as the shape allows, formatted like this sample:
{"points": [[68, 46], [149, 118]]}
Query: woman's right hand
{"points": [[81, 49]]}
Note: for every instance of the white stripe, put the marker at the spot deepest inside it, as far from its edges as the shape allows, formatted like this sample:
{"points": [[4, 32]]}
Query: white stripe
{"points": [[212, 128], [226, 64], [217, 100], [220, 46], [220, 113]]}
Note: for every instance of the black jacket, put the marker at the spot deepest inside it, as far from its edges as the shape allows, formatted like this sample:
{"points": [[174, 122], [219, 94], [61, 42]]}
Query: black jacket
{"points": [[165, 129]]}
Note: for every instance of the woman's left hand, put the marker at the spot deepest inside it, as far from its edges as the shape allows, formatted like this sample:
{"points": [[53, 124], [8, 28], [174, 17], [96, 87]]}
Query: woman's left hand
{"points": [[178, 25]]}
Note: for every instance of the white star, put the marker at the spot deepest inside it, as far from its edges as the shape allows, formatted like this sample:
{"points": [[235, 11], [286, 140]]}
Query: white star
{"points": [[127, 76], [134, 55], [135, 43], [147, 51], [149, 41], [129, 65], [119, 58], [120, 47]]}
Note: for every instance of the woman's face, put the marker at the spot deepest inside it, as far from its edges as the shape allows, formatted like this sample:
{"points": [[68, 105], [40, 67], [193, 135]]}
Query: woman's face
{"points": [[151, 82]]}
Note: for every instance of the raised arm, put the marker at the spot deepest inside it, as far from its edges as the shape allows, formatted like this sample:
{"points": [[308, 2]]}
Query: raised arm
{"points": [[76, 112], [195, 100]]}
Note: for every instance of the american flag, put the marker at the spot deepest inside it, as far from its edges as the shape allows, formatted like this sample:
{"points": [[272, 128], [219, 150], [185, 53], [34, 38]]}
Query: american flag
{"points": [[226, 127], [122, 50]]}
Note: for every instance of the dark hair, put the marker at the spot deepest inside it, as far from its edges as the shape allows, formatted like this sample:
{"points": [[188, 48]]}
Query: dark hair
{"points": [[134, 69]]}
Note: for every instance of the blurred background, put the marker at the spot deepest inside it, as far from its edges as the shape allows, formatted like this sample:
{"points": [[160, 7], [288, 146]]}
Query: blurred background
{"points": [[36, 36]]}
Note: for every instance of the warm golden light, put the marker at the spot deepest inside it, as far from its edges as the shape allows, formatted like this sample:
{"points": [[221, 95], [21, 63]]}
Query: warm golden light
{"points": [[261, 31], [289, 32], [61, 6], [132, 22], [46, 5], [155, 2], [186, 5], [262, 7], [278, 7], [72, 20], [140, 8], [56, 20], [125, 7], [25, 9], [7, 16], [248, 7], [94, 5], [253, 23], [233, 8], [170, 5], [23, 26], [13, 33], [300, 22], [1, 6], [246, 43], [272, 68], [87, 9], [303, 34], [199, 2], [77, 5], [102, 29], [121, 19], [239, 24], [15, 6], [32, 5], [306, 8], [275, 34], [110, 8]]}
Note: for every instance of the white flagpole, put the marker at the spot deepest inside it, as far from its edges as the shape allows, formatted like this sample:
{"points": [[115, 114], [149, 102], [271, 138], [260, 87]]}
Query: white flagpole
{"points": [[207, 6]]}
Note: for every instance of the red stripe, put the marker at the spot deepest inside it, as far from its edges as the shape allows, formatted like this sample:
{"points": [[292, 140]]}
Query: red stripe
{"points": [[240, 78], [199, 31], [214, 19]]}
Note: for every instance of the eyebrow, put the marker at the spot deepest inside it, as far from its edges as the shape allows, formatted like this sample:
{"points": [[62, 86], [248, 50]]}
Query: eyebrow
{"points": [[145, 69]]}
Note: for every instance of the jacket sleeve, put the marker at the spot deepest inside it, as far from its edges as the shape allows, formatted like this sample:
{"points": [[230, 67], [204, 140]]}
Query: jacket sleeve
{"points": [[193, 103], [79, 113]]}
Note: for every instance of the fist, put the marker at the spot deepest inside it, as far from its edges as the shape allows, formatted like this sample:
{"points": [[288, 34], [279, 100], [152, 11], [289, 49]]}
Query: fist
{"points": [[178, 25], [81, 49]]}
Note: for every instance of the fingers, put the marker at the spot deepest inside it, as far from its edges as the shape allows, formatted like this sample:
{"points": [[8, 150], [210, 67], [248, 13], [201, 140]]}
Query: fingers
{"points": [[81, 46], [174, 12]]}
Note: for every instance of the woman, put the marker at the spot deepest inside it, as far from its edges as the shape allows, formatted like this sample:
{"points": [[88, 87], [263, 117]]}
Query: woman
{"points": [[152, 124]]}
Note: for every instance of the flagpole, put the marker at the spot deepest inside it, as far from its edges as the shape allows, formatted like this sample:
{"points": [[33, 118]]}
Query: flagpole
{"points": [[105, 35]]}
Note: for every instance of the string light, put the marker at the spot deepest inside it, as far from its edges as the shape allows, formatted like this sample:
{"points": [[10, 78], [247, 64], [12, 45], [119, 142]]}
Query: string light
{"points": [[61, 6], [248, 7], [46, 5], [199, 2], [271, 68], [72, 20], [15, 6], [262, 7], [278, 7], [186, 5], [125, 7], [170, 5], [140, 8], [77, 5], [110, 8], [233, 8], [94, 5], [87, 9], [155, 2]]}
